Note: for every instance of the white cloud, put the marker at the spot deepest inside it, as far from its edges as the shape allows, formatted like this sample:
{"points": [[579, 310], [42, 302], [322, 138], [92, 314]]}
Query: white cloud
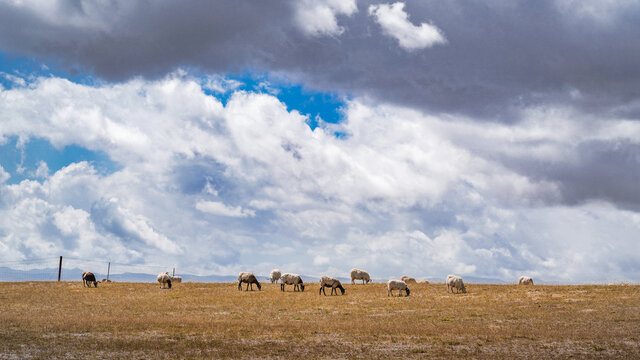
{"points": [[395, 23], [14, 79], [403, 192], [4, 175], [318, 17], [42, 171], [220, 84], [218, 208]]}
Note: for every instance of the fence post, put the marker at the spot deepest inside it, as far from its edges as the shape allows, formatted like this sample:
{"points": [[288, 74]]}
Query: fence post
{"points": [[108, 270], [174, 272], [60, 268]]}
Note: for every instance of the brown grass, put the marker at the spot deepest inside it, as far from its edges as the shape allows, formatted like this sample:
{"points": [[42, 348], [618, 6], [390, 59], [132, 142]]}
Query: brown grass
{"points": [[193, 320]]}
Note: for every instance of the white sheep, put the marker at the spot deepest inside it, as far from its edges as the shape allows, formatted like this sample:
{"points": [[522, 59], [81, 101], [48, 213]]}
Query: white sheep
{"points": [[525, 280], [274, 276], [357, 274], [165, 278], [249, 279], [397, 285], [408, 279], [455, 282], [88, 278], [333, 283], [291, 279]]}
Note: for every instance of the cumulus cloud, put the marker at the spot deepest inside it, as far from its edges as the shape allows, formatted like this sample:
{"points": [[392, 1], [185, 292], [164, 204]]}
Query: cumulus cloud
{"points": [[402, 191], [319, 17], [395, 23]]}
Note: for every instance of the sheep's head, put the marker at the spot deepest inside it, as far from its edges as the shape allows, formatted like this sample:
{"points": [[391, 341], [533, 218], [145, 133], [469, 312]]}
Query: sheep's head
{"points": [[342, 290], [301, 287], [408, 291], [464, 290], [258, 284], [368, 281]]}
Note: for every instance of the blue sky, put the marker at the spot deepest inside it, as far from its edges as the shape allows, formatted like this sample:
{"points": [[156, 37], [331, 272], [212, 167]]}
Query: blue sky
{"points": [[412, 137]]}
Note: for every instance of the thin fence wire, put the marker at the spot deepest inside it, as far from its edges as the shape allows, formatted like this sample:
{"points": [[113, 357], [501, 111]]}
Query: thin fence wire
{"points": [[46, 269]]}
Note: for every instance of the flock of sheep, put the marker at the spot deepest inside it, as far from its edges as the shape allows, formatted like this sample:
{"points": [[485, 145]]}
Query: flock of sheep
{"points": [[452, 281]]}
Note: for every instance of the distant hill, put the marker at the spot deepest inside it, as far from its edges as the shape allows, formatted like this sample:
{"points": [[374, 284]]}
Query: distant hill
{"points": [[51, 274]]}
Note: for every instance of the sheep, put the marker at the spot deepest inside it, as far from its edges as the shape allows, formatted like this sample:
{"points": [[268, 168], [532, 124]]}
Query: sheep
{"points": [[333, 283], [357, 274], [397, 285], [455, 282], [165, 278], [88, 278], [291, 279], [274, 276], [525, 280], [249, 279], [408, 279]]}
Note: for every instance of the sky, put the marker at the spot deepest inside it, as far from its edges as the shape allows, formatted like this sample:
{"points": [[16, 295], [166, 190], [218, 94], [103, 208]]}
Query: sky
{"points": [[488, 139]]}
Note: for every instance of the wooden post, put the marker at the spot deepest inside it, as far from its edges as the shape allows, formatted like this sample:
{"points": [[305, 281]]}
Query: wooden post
{"points": [[60, 268], [174, 272], [108, 270]]}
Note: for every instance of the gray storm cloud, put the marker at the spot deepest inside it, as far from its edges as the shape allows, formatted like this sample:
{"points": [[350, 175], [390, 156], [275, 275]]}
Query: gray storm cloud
{"points": [[499, 56]]}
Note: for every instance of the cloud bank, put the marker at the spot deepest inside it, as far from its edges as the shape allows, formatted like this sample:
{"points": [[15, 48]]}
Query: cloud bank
{"points": [[218, 188], [499, 57]]}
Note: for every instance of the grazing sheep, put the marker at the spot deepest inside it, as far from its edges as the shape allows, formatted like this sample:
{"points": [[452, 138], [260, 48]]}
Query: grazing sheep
{"points": [[333, 283], [88, 278], [525, 280], [291, 279], [455, 282], [249, 279], [274, 276], [397, 285], [105, 280], [357, 274], [165, 278], [408, 279]]}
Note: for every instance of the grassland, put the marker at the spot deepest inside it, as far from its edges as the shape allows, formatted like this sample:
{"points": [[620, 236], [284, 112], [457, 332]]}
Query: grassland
{"points": [[195, 320]]}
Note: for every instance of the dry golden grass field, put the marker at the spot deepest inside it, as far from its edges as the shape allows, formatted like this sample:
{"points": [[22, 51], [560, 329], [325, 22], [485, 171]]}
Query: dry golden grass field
{"points": [[196, 320]]}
